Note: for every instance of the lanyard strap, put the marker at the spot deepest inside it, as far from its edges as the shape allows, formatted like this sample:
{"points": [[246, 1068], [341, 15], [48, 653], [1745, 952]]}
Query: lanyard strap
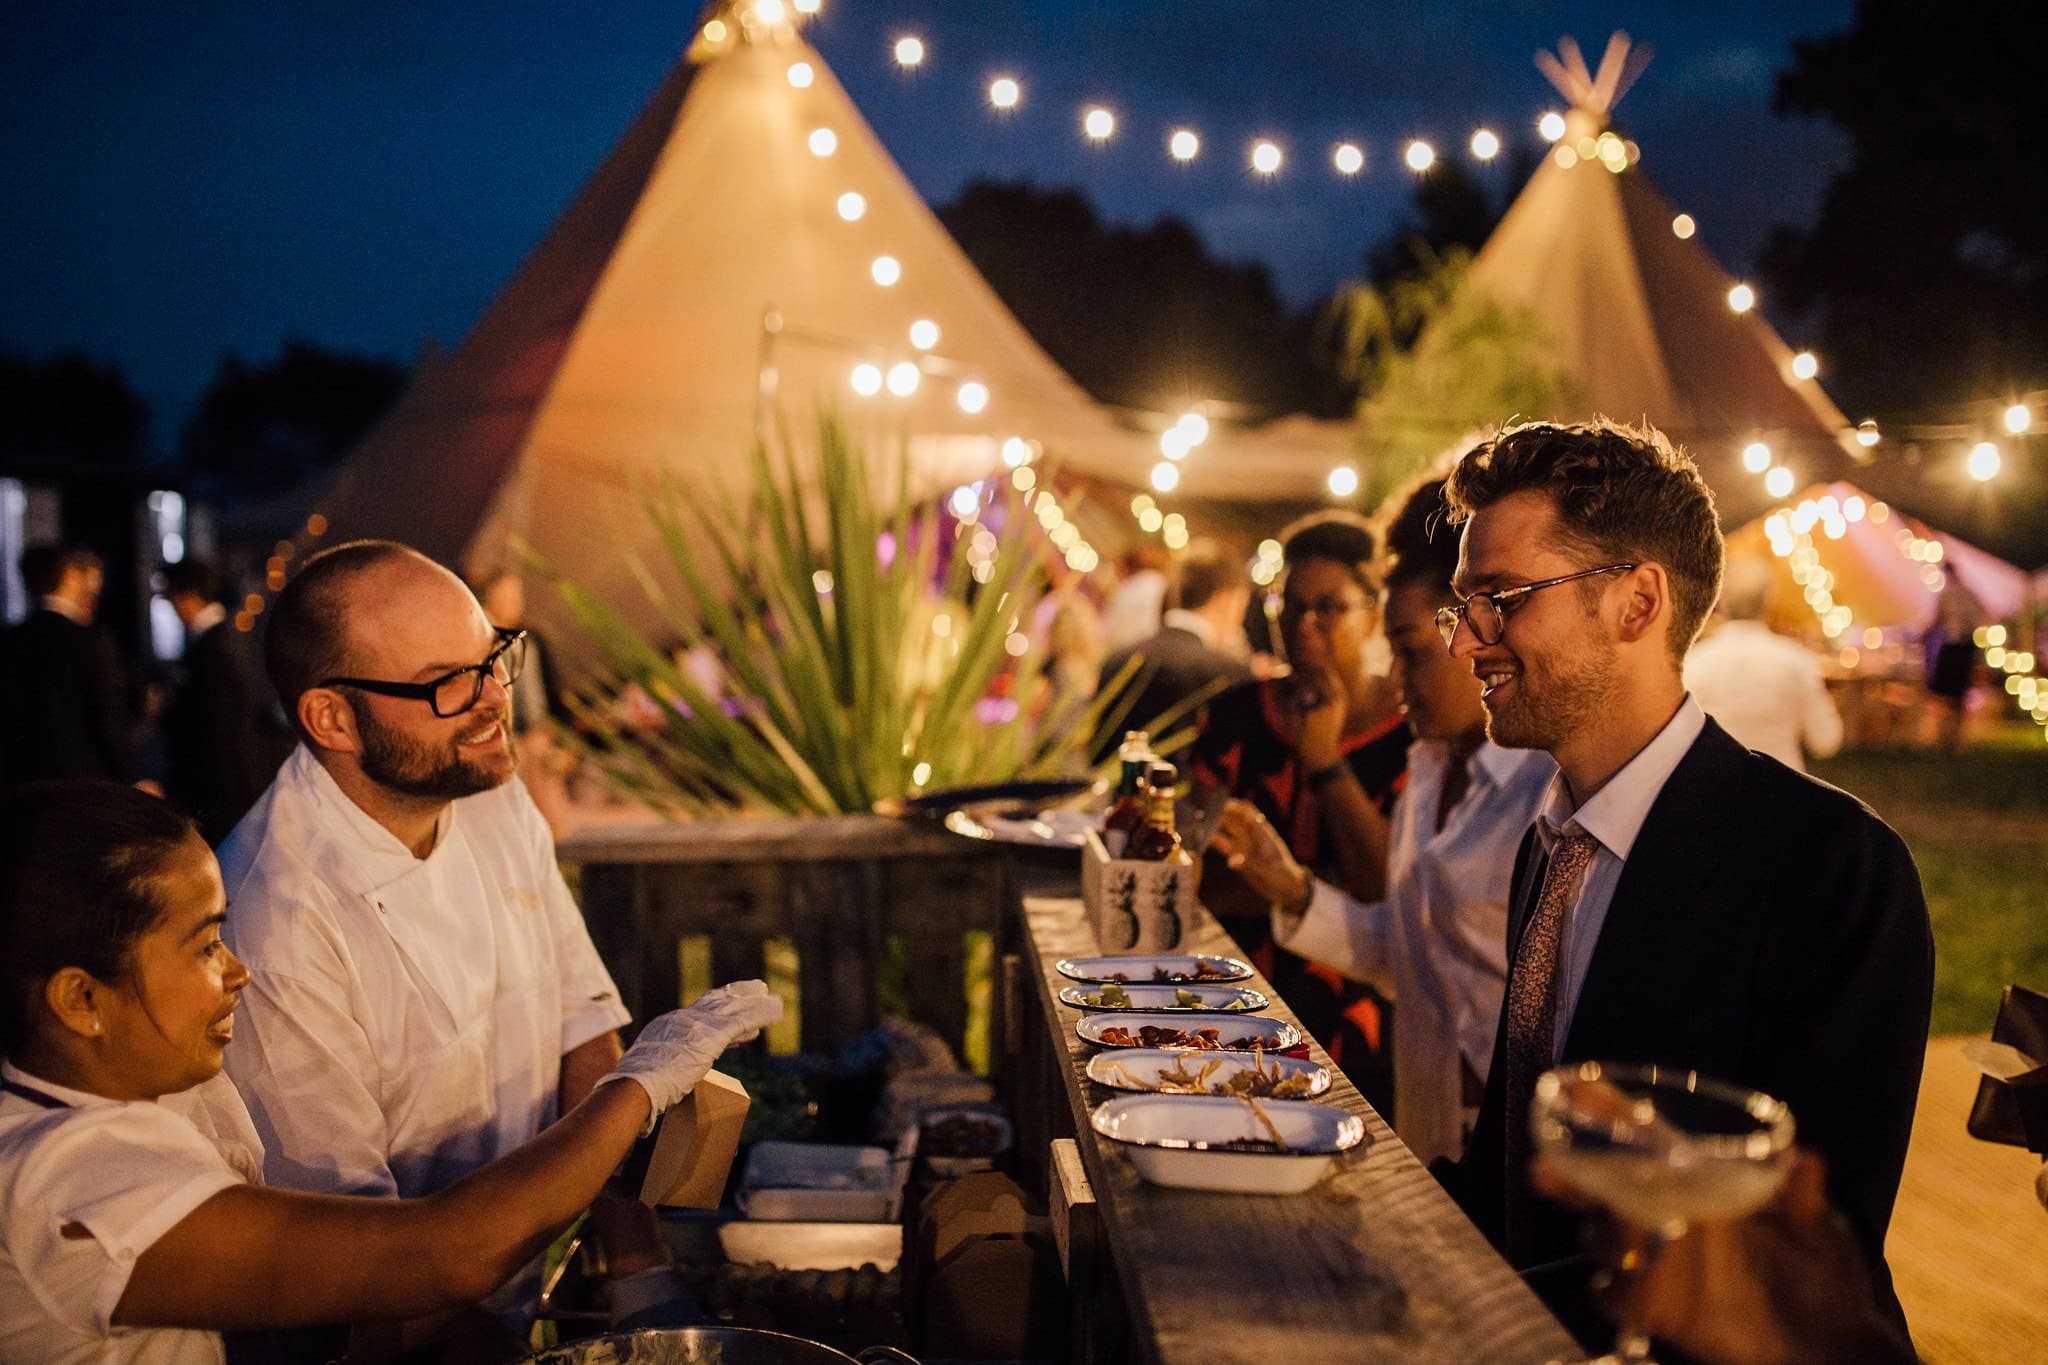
{"points": [[35, 1097]]}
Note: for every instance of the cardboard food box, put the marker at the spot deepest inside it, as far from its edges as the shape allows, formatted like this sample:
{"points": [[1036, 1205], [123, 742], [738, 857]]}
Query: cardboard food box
{"points": [[1136, 907], [695, 1145]]}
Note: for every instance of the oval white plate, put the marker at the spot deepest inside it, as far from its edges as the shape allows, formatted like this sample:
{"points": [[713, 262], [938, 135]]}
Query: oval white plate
{"points": [[1138, 1068], [1183, 1141], [1162, 1000], [1277, 1036], [1139, 969]]}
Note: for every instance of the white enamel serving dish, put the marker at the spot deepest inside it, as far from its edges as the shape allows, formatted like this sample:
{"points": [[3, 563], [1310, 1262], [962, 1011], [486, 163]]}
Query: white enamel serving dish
{"points": [[1167, 999], [1138, 1068], [1184, 1141], [1138, 969], [1230, 1028]]}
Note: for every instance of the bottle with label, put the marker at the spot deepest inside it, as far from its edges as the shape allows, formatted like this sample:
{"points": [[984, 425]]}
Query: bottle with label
{"points": [[1156, 840], [1135, 756]]}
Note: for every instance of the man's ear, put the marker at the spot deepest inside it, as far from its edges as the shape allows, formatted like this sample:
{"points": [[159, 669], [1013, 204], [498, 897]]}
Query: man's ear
{"points": [[1645, 593], [329, 721], [72, 995]]}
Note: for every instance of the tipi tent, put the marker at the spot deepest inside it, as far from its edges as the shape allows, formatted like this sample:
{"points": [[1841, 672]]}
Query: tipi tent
{"points": [[1637, 312], [748, 253]]}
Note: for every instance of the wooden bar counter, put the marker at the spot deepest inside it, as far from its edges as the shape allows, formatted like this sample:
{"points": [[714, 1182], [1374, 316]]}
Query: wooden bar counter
{"points": [[1376, 1263]]}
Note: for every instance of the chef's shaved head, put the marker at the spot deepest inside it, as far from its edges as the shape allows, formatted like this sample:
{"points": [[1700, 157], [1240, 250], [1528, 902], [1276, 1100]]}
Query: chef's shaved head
{"points": [[308, 639]]}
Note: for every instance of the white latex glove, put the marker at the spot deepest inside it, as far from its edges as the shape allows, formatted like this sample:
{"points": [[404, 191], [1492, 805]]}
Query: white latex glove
{"points": [[675, 1049]]}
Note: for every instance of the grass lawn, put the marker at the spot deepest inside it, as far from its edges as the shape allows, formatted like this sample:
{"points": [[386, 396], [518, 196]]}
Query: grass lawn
{"points": [[1977, 823]]}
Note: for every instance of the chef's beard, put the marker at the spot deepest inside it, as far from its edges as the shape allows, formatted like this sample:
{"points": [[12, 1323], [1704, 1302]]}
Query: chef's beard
{"points": [[436, 772]]}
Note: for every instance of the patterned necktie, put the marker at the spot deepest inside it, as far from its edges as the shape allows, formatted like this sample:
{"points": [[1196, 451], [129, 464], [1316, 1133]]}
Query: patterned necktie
{"points": [[1532, 1018]]}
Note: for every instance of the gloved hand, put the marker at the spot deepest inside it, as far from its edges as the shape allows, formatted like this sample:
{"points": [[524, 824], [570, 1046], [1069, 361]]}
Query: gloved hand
{"points": [[674, 1050]]}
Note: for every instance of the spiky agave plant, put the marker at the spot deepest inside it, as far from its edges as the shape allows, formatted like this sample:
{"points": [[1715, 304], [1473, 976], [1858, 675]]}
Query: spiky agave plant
{"points": [[837, 691]]}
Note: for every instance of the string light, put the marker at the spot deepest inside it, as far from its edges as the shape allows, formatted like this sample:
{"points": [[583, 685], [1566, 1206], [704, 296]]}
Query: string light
{"points": [[1867, 433], [1165, 476], [867, 380], [924, 334], [1173, 443], [1778, 482], [1016, 452], [1004, 92], [1756, 458], [1683, 227], [852, 206], [1983, 462], [2018, 418], [903, 377], [824, 142], [1485, 145], [1343, 481], [1266, 157], [1805, 365], [1183, 145], [909, 52], [1741, 298], [972, 397], [1420, 156], [1347, 158], [801, 75], [806, 6], [1098, 123], [1551, 126], [1194, 426], [768, 11], [886, 270]]}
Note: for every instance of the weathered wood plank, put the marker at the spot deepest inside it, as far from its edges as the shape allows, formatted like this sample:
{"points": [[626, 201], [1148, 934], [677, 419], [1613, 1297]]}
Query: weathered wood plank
{"points": [[1375, 1263]]}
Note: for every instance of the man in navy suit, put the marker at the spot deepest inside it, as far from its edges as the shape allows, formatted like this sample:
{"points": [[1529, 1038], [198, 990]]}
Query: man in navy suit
{"points": [[1191, 654], [1680, 900], [63, 702]]}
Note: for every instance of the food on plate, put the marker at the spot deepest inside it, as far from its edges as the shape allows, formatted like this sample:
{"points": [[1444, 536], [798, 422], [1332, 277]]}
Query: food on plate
{"points": [[1111, 997], [1259, 1081], [1189, 1000], [1205, 970], [1155, 1035]]}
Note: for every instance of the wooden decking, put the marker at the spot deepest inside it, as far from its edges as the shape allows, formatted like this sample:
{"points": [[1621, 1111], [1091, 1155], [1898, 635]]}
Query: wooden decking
{"points": [[1969, 1242]]}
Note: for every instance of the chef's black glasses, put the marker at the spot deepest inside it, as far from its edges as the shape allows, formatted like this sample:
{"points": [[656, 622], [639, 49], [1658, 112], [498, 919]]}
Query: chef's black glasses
{"points": [[451, 694], [1486, 612]]}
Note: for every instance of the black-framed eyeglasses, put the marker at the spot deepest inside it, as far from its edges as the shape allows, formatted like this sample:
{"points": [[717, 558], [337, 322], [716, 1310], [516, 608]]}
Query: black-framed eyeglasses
{"points": [[451, 694], [1486, 612]]}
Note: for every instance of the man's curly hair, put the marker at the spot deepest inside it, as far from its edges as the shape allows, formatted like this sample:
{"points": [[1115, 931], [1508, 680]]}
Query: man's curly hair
{"points": [[1622, 494]]}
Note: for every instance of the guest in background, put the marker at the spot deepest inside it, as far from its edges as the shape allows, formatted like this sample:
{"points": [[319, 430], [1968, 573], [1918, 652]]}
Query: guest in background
{"points": [[223, 733], [1073, 647], [1321, 754], [1765, 690], [1952, 655], [1436, 942], [63, 701], [1199, 647], [1135, 605]]}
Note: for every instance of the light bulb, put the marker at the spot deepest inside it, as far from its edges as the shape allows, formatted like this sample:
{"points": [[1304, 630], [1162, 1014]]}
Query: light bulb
{"points": [[1347, 158], [1004, 92], [909, 52], [1343, 481], [1551, 126], [1266, 157], [1741, 298], [1485, 145], [1420, 156], [886, 270], [1098, 123]]}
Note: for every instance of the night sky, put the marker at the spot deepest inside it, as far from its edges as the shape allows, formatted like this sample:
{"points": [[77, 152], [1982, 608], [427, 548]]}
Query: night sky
{"points": [[182, 180]]}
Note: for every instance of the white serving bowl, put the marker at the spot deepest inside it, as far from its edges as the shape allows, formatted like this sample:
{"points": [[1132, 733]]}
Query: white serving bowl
{"points": [[1276, 1034], [1138, 969], [1137, 1068], [1182, 1141], [1166, 999]]}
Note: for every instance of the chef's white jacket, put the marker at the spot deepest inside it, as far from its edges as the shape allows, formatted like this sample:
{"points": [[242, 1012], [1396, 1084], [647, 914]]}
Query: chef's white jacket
{"points": [[88, 1184], [406, 1017], [1437, 944]]}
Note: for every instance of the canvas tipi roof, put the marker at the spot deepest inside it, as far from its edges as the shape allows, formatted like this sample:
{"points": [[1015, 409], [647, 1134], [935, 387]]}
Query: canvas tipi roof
{"points": [[1638, 315]]}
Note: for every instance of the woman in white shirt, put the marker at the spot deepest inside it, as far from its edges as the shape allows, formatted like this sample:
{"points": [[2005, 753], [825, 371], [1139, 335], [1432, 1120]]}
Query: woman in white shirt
{"points": [[131, 1230]]}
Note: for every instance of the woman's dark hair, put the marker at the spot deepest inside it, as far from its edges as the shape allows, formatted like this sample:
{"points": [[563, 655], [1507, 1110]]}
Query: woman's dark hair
{"points": [[80, 866], [1344, 537], [1418, 543]]}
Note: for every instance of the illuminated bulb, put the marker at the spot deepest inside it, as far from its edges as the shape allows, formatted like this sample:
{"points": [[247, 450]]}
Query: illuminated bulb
{"points": [[972, 397], [1176, 537], [1098, 123], [1141, 503], [852, 206], [1016, 644], [714, 32], [1183, 145], [1023, 480], [1270, 551], [886, 270], [1984, 462], [1173, 443], [1420, 156], [1347, 158], [924, 334], [1485, 145], [801, 75], [1756, 457], [2018, 418], [1683, 227], [921, 774], [1194, 426], [1805, 365], [909, 52], [1004, 92], [1565, 157], [1853, 509], [806, 6], [824, 142], [1016, 452], [1165, 477], [1778, 483], [1149, 520], [1741, 298], [1866, 432], [867, 380], [1266, 157], [1551, 126], [768, 11], [1175, 519], [965, 502], [1343, 481], [903, 377]]}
